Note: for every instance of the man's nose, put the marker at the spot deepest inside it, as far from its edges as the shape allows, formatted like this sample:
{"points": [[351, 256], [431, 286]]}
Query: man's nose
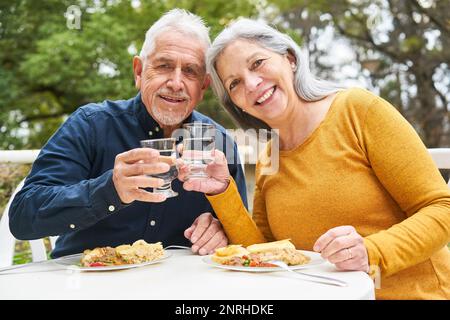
{"points": [[176, 81]]}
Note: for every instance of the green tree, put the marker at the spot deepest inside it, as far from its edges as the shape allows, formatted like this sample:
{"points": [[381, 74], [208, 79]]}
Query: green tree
{"points": [[48, 69], [401, 46]]}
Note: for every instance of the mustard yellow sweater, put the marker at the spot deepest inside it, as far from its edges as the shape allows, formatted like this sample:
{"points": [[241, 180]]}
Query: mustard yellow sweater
{"points": [[363, 166]]}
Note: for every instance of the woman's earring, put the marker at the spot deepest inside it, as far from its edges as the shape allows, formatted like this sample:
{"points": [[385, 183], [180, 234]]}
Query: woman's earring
{"points": [[293, 66]]}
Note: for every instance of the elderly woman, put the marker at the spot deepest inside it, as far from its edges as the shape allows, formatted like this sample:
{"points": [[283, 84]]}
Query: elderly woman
{"points": [[355, 182]]}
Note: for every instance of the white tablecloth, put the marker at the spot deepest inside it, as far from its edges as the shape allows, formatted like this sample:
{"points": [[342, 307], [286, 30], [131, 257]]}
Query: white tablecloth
{"points": [[183, 276]]}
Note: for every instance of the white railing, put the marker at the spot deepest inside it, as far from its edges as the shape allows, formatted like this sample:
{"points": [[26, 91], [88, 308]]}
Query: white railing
{"points": [[18, 156], [441, 157]]}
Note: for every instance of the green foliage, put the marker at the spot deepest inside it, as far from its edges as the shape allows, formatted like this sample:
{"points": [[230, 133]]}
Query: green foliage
{"points": [[23, 253], [10, 176], [412, 44], [47, 70], [408, 39]]}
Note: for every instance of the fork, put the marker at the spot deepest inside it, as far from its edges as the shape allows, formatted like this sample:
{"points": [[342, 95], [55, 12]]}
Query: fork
{"points": [[34, 263], [174, 246], [315, 277]]}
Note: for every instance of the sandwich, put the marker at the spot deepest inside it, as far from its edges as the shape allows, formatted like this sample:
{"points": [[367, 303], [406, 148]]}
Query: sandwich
{"points": [[282, 250], [225, 254], [260, 254]]}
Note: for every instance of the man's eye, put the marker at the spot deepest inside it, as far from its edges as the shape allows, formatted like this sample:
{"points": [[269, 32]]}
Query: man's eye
{"points": [[190, 71], [163, 66], [233, 84]]}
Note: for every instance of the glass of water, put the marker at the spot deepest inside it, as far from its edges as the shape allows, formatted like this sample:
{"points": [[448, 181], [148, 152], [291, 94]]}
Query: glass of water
{"points": [[198, 147], [168, 154]]}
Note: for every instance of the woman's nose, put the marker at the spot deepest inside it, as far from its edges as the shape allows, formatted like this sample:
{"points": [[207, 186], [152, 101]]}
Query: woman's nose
{"points": [[252, 81]]}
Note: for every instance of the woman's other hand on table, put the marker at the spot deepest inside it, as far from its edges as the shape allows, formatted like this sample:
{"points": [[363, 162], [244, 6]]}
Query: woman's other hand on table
{"points": [[344, 247]]}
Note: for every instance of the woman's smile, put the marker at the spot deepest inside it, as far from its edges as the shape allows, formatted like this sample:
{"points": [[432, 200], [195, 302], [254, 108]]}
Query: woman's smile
{"points": [[266, 97]]}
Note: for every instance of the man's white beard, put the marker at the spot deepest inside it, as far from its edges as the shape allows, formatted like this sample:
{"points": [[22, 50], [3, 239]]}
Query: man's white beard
{"points": [[168, 118]]}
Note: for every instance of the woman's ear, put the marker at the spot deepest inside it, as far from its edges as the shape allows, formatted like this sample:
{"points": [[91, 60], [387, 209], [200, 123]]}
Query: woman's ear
{"points": [[292, 60], [137, 70]]}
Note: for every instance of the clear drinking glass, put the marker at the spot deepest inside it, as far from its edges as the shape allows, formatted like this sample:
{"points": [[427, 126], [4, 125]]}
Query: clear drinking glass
{"points": [[198, 147], [168, 154]]}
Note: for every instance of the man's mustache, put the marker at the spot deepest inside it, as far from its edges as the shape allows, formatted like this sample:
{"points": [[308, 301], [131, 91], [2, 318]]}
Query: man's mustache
{"points": [[172, 94]]}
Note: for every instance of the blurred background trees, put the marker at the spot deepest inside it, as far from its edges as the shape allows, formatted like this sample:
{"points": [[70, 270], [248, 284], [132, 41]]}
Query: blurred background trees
{"points": [[400, 47], [49, 66]]}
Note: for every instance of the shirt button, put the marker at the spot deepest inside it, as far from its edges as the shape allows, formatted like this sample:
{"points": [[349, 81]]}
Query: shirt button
{"points": [[150, 133], [111, 208], [157, 129], [152, 223], [72, 226]]}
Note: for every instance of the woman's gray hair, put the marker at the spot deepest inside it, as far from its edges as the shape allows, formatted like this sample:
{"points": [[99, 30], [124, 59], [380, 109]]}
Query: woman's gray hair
{"points": [[176, 19], [308, 87]]}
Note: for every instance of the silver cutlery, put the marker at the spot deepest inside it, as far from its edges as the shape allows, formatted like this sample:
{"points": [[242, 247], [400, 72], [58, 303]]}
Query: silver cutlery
{"points": [[310, 277], [35, 263]]}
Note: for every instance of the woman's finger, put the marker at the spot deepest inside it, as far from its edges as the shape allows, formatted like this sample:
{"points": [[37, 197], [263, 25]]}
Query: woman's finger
{"points": [[342, 255], [340, 243], [330, 235]]}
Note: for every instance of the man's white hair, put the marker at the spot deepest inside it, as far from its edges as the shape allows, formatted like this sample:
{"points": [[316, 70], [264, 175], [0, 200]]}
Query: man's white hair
{"points": [[179, 20]]}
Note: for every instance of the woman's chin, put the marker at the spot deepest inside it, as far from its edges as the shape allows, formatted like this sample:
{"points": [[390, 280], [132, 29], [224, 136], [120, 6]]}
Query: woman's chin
{"points": [[270, 114]]}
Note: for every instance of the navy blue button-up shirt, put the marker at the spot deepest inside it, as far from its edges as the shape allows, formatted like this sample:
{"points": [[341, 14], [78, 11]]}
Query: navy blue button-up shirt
{"points": [[69, 191]]}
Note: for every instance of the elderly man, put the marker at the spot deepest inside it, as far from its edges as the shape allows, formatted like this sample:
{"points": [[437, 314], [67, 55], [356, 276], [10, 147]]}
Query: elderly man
{"points": [[89, 184]]}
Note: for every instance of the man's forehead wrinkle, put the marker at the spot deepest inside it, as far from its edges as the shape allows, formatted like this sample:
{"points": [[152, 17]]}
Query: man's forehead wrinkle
{"points": [[187, 59]]}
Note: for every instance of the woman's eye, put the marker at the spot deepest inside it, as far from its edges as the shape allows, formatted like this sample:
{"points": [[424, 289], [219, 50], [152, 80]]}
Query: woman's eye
{"points": [[257, 63], [233, 84]]}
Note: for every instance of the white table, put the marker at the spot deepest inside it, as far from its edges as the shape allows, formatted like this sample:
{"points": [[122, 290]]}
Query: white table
{"points": [[183, 276]]}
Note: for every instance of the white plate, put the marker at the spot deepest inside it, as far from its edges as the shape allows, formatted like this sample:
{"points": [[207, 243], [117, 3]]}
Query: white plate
{"points": [[72, 262], [316, 260]]}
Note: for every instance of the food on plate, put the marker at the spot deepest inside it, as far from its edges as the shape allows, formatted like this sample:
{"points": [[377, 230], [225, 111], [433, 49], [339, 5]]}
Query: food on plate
{"points": [[139, 252], [225, 254], [260, 255], [99, 257]]}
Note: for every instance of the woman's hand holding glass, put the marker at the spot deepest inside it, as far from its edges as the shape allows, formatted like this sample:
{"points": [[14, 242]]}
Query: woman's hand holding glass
{"points": [[217, 180]]}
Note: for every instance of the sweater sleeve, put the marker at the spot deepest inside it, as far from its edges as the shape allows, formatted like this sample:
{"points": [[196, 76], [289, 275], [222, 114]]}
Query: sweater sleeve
{"points": [[404, 167], [235, 219], [259, 206]]}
